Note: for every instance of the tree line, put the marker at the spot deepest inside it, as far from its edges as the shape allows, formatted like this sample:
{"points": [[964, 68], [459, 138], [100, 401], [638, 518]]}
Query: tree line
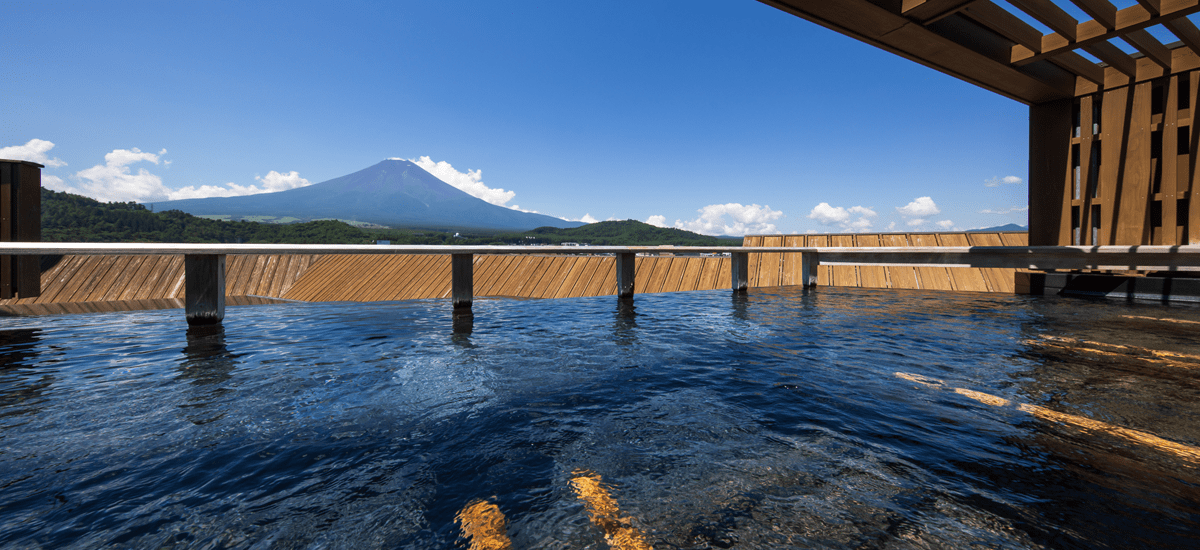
{"points": [[74, 218]]}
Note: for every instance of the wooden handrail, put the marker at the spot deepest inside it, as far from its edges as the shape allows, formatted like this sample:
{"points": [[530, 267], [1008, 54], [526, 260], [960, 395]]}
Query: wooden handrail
{"points": [[205, 263]]}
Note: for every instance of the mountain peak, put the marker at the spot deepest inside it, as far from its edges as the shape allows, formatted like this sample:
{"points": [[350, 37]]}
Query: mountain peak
{"points": [[395, 192]]}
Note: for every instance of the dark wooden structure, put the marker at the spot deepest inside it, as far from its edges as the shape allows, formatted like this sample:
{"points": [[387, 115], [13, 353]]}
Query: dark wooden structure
{"points": [[20, 221], [1112, 151]]}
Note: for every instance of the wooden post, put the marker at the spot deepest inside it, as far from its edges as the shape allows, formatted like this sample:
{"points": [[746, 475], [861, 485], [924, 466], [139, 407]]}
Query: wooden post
{"points": [[204, 288], [808, 268], [739, 271], [462, 280], [20, 221], [625, 272]]}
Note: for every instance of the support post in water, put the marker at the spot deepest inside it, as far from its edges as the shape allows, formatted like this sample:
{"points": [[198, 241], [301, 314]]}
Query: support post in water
{"points": [[462, 280], [204, 288], [808, 268], [625, 272], [739, 271]]}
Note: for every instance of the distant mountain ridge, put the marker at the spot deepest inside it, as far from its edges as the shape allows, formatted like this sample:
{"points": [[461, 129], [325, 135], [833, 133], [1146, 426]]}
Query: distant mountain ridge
{"points": [[394, 192], [1005, 227]]}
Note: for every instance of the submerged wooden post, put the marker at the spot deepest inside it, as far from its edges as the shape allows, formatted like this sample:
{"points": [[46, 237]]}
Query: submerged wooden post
{"points": [[204, 288], [739, 271], [462, 280], [808, 268], [625, 272]]}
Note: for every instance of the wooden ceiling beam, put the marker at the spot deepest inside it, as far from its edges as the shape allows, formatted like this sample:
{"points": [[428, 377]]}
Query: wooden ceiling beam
{"points": [[1005, 24], [1117, 59], [1186, 31], [929, 11], [1129, 19], [1080, 65], [888, 30], [1152, 6], [1049, 15], [1103, 11], [1150, 46]]}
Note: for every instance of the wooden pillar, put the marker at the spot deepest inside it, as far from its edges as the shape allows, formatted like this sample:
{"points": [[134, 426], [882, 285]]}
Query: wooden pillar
{"points": [[1049, 166], [625, 273], [808, 268], [739, 271], [462, 280], [204, 288], [20, 221]]}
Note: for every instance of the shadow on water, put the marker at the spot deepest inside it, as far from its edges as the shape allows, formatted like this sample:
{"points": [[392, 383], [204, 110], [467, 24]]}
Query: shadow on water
{"points": [[21, 386], [208, 365], [462, 325], [625, 323]]}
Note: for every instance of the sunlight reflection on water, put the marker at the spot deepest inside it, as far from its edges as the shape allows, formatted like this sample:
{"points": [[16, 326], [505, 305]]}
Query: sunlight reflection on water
{"points": [[774, 419]]}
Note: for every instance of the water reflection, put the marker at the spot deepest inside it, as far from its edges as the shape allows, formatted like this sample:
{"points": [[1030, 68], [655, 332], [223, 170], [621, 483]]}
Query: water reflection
{"points": [[602, 509], [483, 526], [625, 322], [22, 389], [208, 365], [740, 302], [462, 325]]}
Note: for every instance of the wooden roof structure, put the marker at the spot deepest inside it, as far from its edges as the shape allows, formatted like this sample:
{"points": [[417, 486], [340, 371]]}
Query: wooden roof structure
{"points": [[991, 45]]}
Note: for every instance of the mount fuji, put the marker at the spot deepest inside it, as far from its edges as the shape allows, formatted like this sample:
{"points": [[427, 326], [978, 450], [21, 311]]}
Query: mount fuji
{"points": [[394, 192]]}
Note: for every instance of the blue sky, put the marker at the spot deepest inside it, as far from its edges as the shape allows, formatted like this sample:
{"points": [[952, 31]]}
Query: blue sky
{"points": [[723, 116]]}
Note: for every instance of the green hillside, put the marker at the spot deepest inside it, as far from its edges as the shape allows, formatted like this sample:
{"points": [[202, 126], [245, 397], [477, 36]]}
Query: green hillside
{"points": [[73, 218], [627, 232]]}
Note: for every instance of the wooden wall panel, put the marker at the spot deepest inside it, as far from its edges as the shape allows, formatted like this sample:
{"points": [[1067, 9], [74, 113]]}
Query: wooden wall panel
{"points": [[870, 276], [843, 275], [967, 279], [790, 272], [1133, 203], [931, 278], [754, 259], [770, 265], [1049, 135]]}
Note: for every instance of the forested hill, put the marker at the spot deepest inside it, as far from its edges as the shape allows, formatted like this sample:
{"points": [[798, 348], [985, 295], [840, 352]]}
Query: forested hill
{"points": [[73, 218], [627, 232]]}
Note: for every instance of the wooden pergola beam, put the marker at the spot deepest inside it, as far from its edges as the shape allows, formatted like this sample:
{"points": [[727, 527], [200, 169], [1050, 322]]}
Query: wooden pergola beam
{"points": [[1005, 24], [1151, 47], [1186, 31], [1079, 65], [1102, 11], [929, 11], [890, 31], [1117, 59], [1090, 32], [995, 48], [1049, 15], [1153, 6]]}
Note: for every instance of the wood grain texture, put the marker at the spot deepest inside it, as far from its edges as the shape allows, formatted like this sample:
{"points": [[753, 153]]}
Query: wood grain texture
{"points": [[348, 277]]}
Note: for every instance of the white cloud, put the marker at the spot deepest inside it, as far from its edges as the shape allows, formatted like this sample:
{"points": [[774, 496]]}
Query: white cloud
{"points": [[115, 181], [33, 151], [945, 224], [1006, 180], [1006, 210], [271, 183], [891, 226], [916, 222], [920, 207], [54, 183], [587, 218], [470, 183], [843, 217], [742, 219]]}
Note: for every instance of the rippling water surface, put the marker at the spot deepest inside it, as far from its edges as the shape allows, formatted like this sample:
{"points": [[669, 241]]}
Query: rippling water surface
{"points": [[842, 418]]}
